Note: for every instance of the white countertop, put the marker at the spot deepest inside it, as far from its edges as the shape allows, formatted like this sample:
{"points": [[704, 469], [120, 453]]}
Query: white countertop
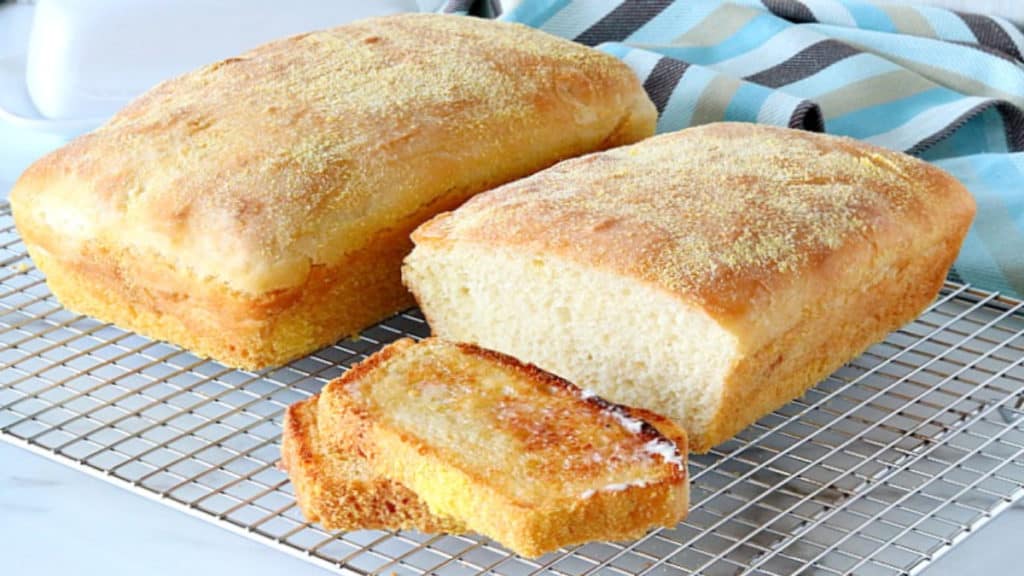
{"points": [[56, 520]]}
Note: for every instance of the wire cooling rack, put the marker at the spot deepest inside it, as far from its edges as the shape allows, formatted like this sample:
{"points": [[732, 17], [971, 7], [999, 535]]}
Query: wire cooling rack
{"points": [[878, 470]]}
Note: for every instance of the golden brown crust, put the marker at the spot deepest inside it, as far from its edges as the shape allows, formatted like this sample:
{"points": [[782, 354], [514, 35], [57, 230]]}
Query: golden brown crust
{"points": [[823, 340], [724, 215], [457, 482], [299, 151], [239, 331], [247, 186], [336, 487]]}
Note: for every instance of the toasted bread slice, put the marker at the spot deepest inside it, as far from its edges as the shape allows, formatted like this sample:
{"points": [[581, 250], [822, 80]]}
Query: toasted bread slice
{"points": [[515, 453], [337, 488]]}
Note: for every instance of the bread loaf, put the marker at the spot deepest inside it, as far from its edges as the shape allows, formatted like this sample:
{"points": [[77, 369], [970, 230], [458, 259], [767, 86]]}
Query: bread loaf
{"points": [[259, 208], [711, 275]]}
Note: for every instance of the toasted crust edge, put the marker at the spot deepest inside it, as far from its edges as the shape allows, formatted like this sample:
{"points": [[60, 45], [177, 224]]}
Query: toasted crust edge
{"points": [[337, 502]]}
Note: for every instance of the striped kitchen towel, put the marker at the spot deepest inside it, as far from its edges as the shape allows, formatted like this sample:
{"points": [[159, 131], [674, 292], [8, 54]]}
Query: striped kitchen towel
{"points": [[945, 86]]}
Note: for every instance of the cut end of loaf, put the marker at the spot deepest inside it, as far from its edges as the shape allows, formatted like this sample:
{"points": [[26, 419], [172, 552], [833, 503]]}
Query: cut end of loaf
{"points": [[625, 340]]}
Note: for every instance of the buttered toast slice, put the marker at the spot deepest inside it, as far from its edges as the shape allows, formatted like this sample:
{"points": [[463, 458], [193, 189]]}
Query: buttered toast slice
{"points": [[337, 488], [513, 452]]}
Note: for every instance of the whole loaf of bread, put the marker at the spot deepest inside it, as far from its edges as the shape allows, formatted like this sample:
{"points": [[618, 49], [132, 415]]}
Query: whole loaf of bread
{"points": [[710, 275], [259, 208]]}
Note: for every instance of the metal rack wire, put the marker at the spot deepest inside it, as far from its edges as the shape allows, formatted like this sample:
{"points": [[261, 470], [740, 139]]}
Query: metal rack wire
{"points": [[878, 470]]}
